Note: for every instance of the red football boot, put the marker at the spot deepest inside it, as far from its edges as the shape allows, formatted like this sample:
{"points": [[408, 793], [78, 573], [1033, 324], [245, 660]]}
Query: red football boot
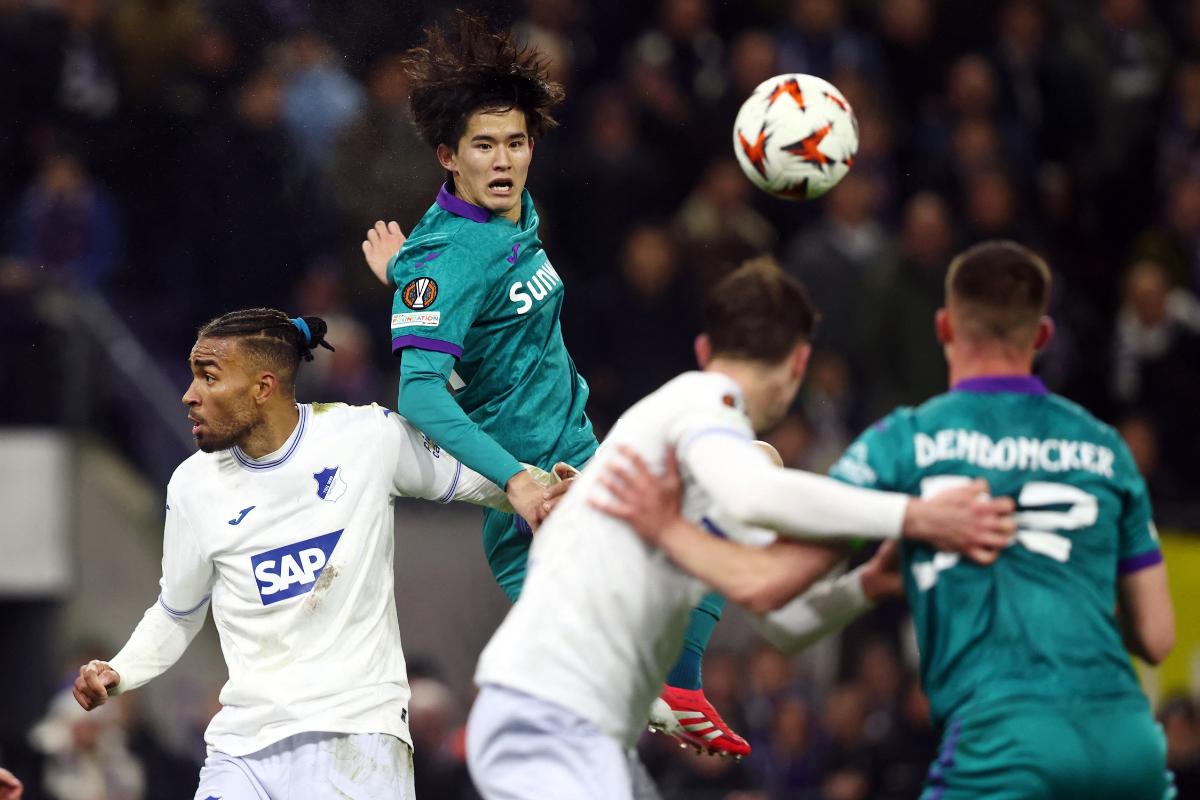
{"points": [[689, 717]]}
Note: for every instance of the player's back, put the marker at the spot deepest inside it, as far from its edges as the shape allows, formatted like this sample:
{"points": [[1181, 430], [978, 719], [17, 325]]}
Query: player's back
{"points": [[1040, 622], [601, 618]]}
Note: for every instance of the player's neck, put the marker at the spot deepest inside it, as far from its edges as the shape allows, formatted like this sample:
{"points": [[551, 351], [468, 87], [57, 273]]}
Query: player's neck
{"points": [[748, 377], [984, 363], [277, 425]]}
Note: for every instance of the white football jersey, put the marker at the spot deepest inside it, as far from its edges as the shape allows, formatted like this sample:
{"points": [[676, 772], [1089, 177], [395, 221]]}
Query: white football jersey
{"points": [[601, 617], [295, 550]]}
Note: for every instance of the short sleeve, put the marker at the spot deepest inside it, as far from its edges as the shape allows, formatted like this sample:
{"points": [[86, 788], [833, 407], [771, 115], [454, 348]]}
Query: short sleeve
{"points": [[874, 460], [1138, 545], [420, 467], [439, 294], [187, 574]]}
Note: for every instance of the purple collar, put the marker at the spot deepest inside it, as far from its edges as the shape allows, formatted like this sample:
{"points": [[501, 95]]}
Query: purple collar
{"points": [[990, 384], [456, 205]]}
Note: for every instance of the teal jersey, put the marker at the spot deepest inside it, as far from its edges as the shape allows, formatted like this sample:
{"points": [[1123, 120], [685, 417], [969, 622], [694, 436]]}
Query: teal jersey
{"points": [[1040, 622], [481, 288]]}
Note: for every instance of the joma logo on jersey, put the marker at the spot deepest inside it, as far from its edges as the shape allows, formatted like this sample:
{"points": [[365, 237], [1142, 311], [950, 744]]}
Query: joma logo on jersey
{"points": [[292, 569], [540, 284]]}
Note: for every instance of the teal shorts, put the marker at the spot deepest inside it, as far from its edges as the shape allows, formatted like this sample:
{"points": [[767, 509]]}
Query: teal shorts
{"points": [[506, 541], [1031, 751]]}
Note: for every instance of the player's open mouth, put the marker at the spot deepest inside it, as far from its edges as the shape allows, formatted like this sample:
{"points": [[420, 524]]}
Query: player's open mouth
{"points": [[502, 186], [196, 424]]}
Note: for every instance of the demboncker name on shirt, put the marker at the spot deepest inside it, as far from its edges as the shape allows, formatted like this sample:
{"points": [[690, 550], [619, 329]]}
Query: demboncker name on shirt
{"points": [[1012, 452]]}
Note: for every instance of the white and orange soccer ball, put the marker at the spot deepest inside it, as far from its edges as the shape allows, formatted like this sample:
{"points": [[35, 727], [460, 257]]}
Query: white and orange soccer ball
{"points": [[796, 136]]}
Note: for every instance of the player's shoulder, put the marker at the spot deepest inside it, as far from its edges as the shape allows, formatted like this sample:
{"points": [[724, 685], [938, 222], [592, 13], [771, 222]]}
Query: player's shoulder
{"points": [[1089, 424], [697, 388]]}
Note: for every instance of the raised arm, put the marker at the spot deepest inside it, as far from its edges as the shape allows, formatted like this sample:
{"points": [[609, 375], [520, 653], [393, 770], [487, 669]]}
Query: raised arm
{"points": [[1146, 613]]}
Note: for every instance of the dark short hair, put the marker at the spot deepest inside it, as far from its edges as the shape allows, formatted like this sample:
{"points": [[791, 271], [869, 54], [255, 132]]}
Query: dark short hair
{"points": [[270, 338], [480, 70], [1000, 290], [758, 312]]}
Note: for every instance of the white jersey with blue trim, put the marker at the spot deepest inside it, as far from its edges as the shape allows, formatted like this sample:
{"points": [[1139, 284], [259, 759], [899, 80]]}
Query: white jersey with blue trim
{"points": [[601, 616], [294, 552]]}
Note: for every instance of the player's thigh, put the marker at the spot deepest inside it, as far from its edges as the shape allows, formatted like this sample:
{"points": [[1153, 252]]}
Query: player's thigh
{"points": [[1129, 755], [363, 766], [987, 756], [521, 748], [226, 777]]}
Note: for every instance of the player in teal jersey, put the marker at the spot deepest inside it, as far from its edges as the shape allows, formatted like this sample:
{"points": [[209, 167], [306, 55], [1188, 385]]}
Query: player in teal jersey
{"points": [[1025, 661], [477, 306]]}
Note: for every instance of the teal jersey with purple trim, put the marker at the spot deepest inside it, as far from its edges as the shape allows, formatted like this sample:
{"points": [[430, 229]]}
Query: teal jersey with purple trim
{"points": [[1040, 622], [481, 288]]}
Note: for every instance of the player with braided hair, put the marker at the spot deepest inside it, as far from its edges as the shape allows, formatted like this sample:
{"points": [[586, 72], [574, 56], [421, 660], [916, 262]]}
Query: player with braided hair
{"points": [[283, 523], [477, 306]]}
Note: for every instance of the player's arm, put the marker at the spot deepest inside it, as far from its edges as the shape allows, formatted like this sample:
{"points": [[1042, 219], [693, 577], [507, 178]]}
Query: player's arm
{"points": [[1146, 613], [167, 627], [748, 486], [426, 403], [1143, 599]]}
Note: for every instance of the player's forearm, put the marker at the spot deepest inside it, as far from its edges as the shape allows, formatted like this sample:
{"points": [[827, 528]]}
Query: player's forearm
{"points": [[477, 490], [156, 643], [756, 578], [794, 503], [824, 609], [1146, 614], [425, 402]]}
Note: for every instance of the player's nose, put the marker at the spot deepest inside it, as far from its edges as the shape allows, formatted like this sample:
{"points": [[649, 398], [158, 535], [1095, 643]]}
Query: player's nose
{"points": [[190, 398]]}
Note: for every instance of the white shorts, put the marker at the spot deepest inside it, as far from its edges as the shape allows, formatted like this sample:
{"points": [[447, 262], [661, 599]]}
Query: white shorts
{"points": [[363, 766], [522, 748]]}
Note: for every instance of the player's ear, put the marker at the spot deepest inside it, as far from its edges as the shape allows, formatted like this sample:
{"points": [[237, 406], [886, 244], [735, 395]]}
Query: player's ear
{"points": [[942, 326], [266, 386], [447, 158], [703, 347], [1045, 333], [800, 359]]}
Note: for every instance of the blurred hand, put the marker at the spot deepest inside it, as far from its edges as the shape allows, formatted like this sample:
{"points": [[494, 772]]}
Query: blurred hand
{"points": [[526, 496], [566, 475], [648, 502], [10, 787], [382, 242], [965, 519], [92, 685], [881, 575]]}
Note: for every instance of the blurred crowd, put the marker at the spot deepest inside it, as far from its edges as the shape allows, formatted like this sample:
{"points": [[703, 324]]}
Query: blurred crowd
{"points": [[185, 157]]}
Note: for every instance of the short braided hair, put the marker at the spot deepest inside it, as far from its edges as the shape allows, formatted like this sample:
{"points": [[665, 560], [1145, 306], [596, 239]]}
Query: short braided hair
{"points": [[271, 338]]}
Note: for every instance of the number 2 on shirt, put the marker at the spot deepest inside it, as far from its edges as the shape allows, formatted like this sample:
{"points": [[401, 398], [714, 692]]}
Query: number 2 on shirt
{"points": [[1037, 529]]}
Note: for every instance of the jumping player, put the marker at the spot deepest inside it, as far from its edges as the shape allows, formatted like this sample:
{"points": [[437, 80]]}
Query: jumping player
{"points": [[477, 306], [565, 681], [283, 523]]}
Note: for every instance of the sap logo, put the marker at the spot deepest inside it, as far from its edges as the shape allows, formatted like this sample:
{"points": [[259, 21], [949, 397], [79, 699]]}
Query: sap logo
{"points": [[330, 485], [544, 281], [292, 569]]}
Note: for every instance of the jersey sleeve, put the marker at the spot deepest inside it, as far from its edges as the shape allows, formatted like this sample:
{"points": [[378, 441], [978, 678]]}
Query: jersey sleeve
{"points": [[439, 293], [875, 459], [1138, 545], [423, 469], [187, 573]]}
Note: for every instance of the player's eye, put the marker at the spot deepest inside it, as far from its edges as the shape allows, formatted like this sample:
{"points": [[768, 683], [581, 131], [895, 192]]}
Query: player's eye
{"points": [[209, 378], [484, 146]]}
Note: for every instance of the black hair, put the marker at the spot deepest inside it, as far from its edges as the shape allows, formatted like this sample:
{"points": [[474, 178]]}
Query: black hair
{"points": [[271, 337], [480, 70], [758, 312]]}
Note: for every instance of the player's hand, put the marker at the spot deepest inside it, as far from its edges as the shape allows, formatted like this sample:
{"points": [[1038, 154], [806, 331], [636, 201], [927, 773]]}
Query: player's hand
{"points": [[526, 496], [10, 787], [382, 242], [94, 681], [648, 502], [880, 576], [965, 519], [554, 494]]}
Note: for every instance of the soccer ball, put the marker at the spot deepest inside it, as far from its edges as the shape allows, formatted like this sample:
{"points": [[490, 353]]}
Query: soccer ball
{"points": [[795, 137]]}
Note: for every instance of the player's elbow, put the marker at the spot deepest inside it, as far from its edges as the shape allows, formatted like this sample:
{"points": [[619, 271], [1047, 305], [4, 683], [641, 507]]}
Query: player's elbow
{"points": [[762, 596], [1157, 642]]}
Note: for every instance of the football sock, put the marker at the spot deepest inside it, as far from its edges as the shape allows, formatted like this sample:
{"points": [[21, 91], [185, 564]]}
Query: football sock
{"points": [[703, 620]]}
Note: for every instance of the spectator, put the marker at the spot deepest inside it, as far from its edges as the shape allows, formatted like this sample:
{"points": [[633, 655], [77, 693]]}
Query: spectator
{"points": [[87, 757], [66, 229], [319, 99], [1178, 718], [816, 40], [152, 38]]}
